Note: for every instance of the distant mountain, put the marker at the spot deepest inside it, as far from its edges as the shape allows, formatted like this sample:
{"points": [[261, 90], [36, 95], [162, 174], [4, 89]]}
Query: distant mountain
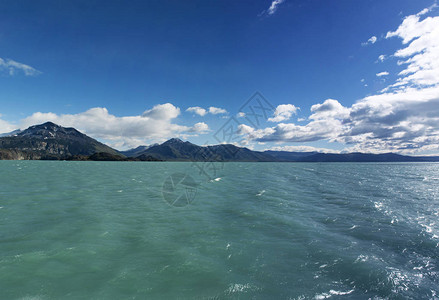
{"points": [[136, 151], [12, 133], [50, 141], [289, 156], [366, 157], [177, 150]]}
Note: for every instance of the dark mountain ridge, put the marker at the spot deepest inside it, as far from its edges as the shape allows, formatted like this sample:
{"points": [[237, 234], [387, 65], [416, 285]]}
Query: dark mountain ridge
{"points": [[51, 141], [178, 150]]}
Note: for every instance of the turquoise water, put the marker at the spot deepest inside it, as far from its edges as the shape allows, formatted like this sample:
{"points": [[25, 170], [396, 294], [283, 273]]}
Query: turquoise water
{"points": [[106, 230]]}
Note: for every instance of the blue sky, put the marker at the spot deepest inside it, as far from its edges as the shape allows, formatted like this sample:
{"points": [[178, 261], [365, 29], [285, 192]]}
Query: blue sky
{"points": [[126, 72]]}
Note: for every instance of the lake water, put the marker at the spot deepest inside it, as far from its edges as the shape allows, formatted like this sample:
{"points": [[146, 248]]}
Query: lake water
{"points": [[134, 230]]}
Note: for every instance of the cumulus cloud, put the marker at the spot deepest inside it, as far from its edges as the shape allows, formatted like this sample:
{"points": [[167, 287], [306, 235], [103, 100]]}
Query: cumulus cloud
{"points": [[404, 117], [290, 132], [216, 110], [421, 55], [197, 110], [155, 124], [200, 127], [283, 112], [330, 108], [202, 112], [162, 112], [12, 67], [6, 127], [385, 73], [303, 148]]}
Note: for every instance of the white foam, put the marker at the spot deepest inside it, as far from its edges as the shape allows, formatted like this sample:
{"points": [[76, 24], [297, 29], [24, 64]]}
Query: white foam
{"points": [[236, 288], [362, 258], [332, 293], [260, 193], [378, 205]]}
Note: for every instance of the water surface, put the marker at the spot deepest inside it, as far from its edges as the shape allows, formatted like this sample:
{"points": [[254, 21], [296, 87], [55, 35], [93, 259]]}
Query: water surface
{"points": [[103, 230]]}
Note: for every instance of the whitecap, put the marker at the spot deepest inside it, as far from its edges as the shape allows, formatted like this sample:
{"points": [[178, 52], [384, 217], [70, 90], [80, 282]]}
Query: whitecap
{"points": [[260, 193], [332, 293], [378, 205], [236, 288], [362, 258]]}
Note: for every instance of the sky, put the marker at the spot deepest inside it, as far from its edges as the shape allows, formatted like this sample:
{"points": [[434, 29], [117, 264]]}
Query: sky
{"points": [[294, 75]]}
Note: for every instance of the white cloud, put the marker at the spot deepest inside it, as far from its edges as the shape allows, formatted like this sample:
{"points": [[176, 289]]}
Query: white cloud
{"points": [[402, 118], [197, 110], [274, 6], [216, 110], [6, 127], [385, 73], [283, 112], [421, 55], [371, 40], [200, 127], [202, 112], [330, 108], [427, 10], [241, 114], [12, 67], [163, 112], [155, 124], [303, 148], [245, 129], [382, 57]]}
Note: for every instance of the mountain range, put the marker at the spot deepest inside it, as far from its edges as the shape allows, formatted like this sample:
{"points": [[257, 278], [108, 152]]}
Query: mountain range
{"points": [[49, 141]]}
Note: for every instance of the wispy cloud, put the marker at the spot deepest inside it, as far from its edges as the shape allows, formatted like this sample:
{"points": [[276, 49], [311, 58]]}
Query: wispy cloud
{"points": [[382, 57], [12, 67], [274, 5], [273, 8], [385, 73], [372, 40]]}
